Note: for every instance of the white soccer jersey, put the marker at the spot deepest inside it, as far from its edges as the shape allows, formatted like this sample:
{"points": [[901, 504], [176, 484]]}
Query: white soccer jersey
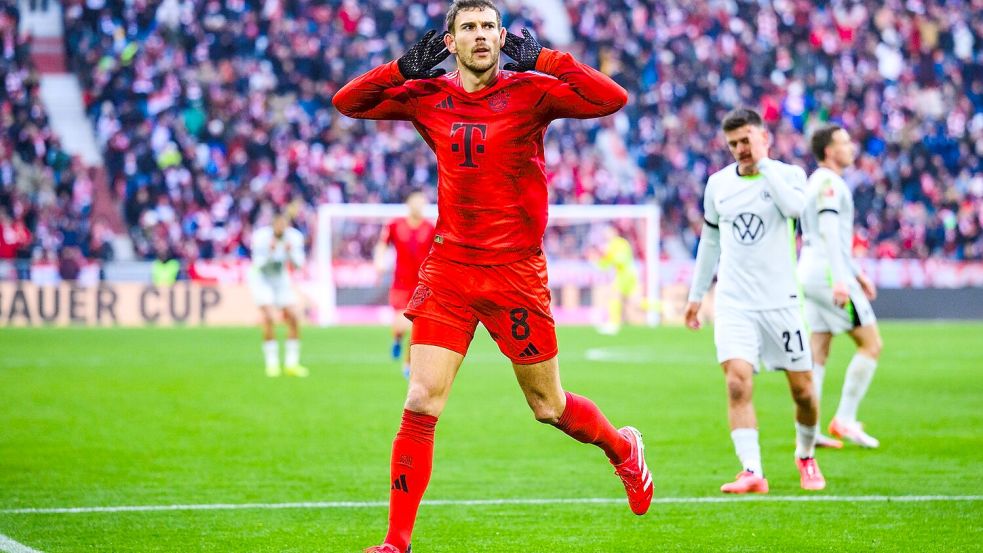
{"points": [[270, 254], [755, 217], [824, 263]]}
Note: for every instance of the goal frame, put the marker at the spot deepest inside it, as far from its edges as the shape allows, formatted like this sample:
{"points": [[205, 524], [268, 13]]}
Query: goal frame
{"points": [[325, 291]]}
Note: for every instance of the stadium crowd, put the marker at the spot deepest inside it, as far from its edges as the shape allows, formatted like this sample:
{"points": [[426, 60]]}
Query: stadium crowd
{"points": [[45, 194], [209, 112]]}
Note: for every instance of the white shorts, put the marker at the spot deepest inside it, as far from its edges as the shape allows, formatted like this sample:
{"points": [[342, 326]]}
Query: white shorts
{"points": [[777, 338], [267, 291], [823, 316]]}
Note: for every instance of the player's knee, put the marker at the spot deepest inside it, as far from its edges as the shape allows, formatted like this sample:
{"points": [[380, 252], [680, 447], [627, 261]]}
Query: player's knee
{"points": [[547, 414], [872, 348], [545, 406], [803, 394], [738, 389], [428, 400]]}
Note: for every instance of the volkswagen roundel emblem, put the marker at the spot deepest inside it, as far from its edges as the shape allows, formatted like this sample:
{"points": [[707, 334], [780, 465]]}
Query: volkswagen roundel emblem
{"points": [[748, 228]]}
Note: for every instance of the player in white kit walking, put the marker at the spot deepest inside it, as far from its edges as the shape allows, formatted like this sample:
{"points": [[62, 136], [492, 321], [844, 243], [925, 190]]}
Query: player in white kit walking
{"points": [[837, 292], [750, 207], [275, 249]]}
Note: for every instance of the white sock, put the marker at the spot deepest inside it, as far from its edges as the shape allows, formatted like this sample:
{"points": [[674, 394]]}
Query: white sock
{"points": [[748, 451], [271, 350], [805, 440], [818, 375], [292, 355], [859, 373]]}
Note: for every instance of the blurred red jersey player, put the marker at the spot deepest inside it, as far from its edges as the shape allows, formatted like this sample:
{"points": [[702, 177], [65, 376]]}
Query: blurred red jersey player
{"points": [[486, 127], [411, 237]]}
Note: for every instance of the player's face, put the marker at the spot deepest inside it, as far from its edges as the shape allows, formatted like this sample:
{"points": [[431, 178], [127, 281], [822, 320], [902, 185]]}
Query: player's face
{"points": [[748, 145], [477, 40], [417, 203], [841, 149], [279, 226]]}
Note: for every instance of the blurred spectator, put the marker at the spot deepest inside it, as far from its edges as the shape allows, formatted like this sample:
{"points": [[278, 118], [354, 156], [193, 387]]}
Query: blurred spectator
{"points": [[165, 268], [69, 263], [15, 238]]}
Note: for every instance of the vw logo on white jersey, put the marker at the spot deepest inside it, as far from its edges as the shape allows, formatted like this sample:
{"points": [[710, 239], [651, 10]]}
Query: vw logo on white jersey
{"points": [[748, 228]]}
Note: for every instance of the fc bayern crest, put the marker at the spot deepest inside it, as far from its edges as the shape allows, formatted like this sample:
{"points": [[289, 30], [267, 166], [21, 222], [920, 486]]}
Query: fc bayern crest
{"points": [[420, 295], [499, 101]]}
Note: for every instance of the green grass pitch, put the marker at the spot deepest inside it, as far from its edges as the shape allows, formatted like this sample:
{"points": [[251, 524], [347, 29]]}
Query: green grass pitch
{"points": [[95, 418]]}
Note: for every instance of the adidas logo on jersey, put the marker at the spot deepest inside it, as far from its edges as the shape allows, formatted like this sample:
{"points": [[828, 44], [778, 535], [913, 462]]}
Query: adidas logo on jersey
{"points": [[447, 103], [529, 351]]}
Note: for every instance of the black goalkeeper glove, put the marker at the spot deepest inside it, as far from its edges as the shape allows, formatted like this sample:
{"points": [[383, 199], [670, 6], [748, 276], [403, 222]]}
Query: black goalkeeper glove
{"points": [[525, 51], [419, 61]]}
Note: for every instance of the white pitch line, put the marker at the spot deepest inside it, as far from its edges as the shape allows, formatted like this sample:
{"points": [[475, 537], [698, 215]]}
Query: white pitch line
{"points": [[494, 502], [8, 545]]}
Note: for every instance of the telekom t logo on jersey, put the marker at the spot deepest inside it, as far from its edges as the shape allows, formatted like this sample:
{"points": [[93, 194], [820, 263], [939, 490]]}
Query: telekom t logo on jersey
{"points": [[473, 136]]}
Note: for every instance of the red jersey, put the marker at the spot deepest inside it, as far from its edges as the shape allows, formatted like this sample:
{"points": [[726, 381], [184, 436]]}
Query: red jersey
{"points": [[412, 245], [491, 187]]}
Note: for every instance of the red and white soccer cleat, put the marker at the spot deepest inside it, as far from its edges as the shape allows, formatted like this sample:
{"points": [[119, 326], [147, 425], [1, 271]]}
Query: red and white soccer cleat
{"points": [[810, 478], [823, 440], [746, 482], [384, 548], [854, 432], [635, 474]]}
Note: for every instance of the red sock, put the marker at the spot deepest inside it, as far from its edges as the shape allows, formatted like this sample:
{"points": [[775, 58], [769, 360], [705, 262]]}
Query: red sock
{"points": [[584, 422], [410, 468]]}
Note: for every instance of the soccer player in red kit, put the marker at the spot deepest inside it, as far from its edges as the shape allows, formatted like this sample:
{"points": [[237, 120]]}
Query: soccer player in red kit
{"points": [[486, 127], [411, 237]]}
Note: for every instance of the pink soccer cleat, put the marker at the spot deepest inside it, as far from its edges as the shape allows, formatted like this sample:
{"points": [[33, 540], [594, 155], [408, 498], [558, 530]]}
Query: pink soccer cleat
{"points": [[635, 474], [384, 548], [746, 482], [823, 440], [854, 432], [810, 476]]}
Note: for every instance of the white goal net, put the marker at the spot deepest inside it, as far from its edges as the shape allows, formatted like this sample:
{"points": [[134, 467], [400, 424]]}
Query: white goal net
{"points": [[349, 289]]}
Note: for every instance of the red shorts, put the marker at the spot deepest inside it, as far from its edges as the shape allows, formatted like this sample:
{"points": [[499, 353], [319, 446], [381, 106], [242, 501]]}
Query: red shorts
{"points": [[399, 297], [512, 301]]}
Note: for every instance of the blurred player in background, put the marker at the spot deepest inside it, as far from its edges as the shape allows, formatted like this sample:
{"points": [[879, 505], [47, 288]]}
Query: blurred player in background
{"points": [[411, 237], [837, 292], [624, 292], [486, 127], [275, 249], [750, 207]]}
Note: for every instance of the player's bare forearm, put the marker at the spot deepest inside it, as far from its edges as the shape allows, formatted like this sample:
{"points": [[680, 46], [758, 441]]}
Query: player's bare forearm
{"points": [[377, 94], [594, 93]]}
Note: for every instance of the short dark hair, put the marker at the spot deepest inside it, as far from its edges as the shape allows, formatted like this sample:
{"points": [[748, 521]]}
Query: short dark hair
{"points": [[459, 5], [822, 138], [740, 117]]}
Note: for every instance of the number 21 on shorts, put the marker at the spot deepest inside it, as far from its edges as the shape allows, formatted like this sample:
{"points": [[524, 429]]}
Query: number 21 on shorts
{"points": [[789, 342]]}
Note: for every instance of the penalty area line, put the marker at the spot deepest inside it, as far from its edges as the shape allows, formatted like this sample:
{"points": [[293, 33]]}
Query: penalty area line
{"points": [[8, 545], [492, 502]]}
